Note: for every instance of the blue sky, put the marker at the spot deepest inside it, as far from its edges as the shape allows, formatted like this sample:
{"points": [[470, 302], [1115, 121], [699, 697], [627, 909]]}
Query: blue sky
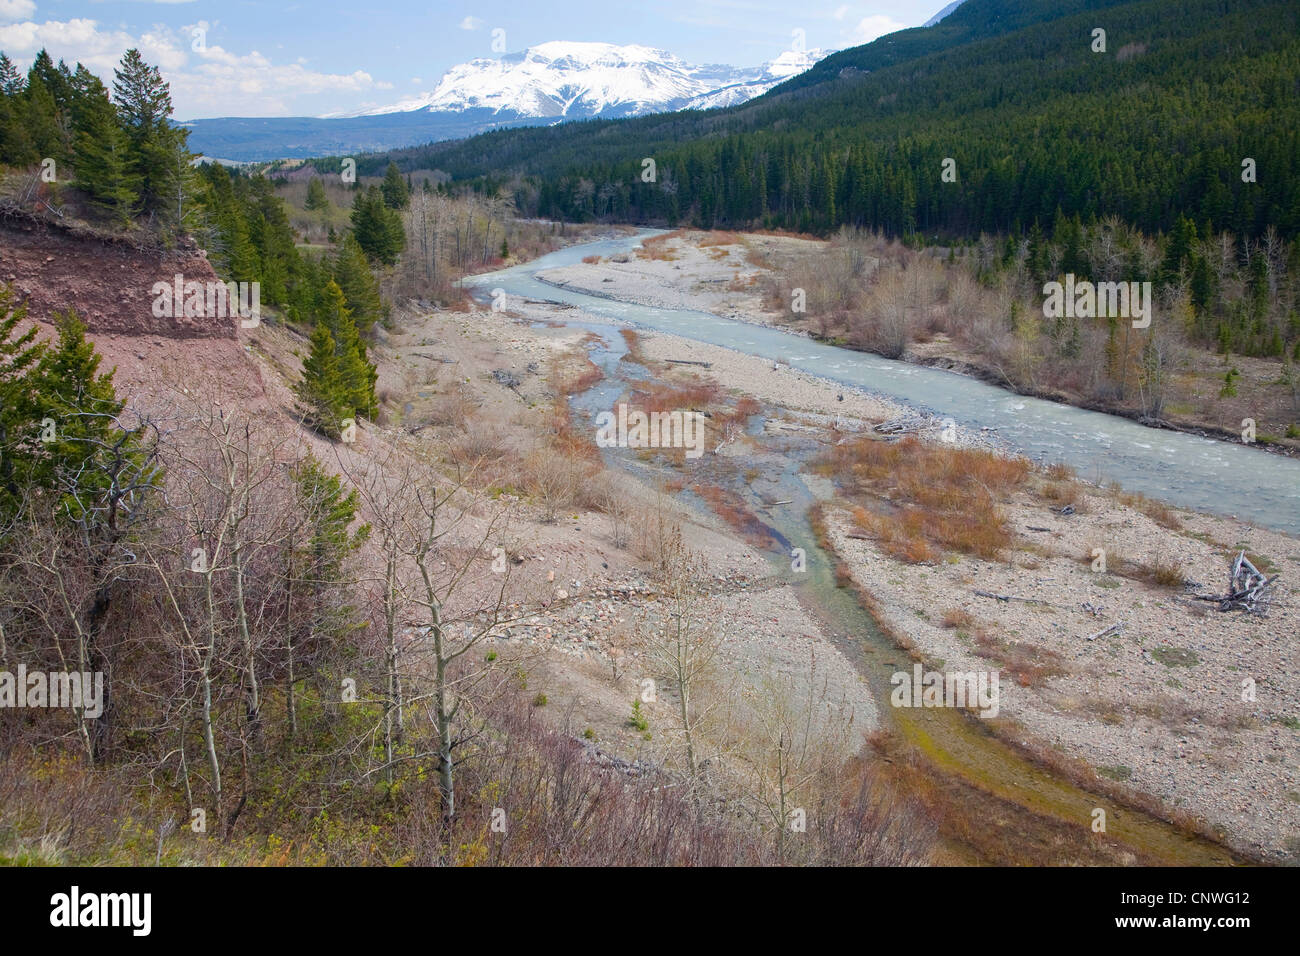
{"points": [[292, 57]]}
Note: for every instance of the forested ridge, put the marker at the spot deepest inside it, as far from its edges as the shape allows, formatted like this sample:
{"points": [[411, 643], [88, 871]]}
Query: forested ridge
{"points": [[1155, 127]]}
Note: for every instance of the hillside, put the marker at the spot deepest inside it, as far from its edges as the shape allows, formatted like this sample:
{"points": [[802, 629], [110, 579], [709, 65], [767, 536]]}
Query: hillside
{"points": [[940, 511], [1011, 90]]}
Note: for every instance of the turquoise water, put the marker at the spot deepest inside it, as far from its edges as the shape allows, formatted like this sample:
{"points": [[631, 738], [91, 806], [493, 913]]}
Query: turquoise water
{"points": [[1199, 473]]}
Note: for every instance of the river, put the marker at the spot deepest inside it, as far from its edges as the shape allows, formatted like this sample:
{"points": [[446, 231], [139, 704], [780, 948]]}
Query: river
{"points": [[1185, 470]]}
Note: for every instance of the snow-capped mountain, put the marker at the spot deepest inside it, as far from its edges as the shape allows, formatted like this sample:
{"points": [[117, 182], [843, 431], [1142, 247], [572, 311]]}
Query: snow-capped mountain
{"points": [[550, 83], [572, 80]]}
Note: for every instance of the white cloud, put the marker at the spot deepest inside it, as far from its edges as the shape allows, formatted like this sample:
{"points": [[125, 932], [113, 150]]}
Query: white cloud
{"points": [[841, 12], [471, 23], [209, 82], [873, 27], [16, 9]]}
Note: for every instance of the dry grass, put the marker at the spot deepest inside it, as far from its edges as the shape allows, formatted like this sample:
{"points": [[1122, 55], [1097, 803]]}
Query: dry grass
{"points": [[635, 352], [453, 407], [918, 500], [479, 442], [1159, 572], [719, 237], [1027, 664], [653, 397], [559, 481], [572, 442], [958, 618], [574, 372], [656, 247], [1157, 511], [731, 508]]}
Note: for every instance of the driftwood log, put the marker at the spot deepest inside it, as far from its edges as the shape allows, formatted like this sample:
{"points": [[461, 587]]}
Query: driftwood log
{"points": [[1107, 631], [1248, 589], [1012, 597], [894, 426]]}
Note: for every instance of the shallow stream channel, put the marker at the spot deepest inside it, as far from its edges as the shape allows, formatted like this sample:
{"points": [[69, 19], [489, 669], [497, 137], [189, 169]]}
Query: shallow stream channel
{"points": [[997, 804]]}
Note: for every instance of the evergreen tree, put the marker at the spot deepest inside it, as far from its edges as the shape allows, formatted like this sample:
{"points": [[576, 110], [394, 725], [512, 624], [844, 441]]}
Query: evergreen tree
{"points": [[16, 147], [352, 272], [316, 572], [101, 153], [330, 513], [89, 450], [19, 424], [40, 117], [159, 158], [324, 404], [394, 190], [356, 376], [1178, 249], [11, 81], [316, 198], [377, 228]]}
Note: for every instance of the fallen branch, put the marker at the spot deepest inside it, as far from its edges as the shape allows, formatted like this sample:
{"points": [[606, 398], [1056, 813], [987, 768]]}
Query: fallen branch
{"points": [[1011, 597], [892, 427], [689, 362], [1107, 631], [1248, 589]]}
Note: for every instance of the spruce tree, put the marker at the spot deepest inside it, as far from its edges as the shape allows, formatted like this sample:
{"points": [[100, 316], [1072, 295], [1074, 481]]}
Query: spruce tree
{"points": [[20, 353], [356, 376], [316, 198], [40, 118], [100, 153], [16, 147], [11, 81], [352, 272], [324, 403], [377, 228], [396, 194], [90, 450], [159, 157]]}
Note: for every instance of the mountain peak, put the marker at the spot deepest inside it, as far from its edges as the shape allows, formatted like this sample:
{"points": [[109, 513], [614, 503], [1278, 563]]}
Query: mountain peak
{"points": [[567, 79]]}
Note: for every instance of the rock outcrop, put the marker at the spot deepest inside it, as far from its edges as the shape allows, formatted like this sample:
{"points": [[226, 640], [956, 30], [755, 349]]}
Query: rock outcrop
{"points": [[108, 279]]}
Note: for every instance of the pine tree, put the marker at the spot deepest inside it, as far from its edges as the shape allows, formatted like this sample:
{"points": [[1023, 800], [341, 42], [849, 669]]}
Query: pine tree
{"points": [[316, 198], [40, 118], [11, 81], [323, 400], [330, 512], [377, 228], [159, 158], [19, 424], [352, 272], [1177, 250], [356, 376], [396, 194], [83, 405], [316, 572], [143, 97], [16, 147], [101, 152]]}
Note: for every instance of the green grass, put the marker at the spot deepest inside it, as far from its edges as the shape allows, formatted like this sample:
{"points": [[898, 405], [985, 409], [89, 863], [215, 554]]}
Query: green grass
{"points": [[1175, 657]]}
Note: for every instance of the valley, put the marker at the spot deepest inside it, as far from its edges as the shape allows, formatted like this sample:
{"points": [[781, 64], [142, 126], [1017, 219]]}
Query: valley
{"points": [[538, 444], [1109, 715]]}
